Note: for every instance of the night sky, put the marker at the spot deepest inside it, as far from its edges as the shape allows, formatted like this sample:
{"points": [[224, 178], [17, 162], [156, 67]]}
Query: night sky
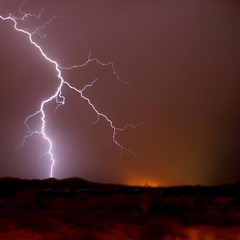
{"points": [[182, 60]]}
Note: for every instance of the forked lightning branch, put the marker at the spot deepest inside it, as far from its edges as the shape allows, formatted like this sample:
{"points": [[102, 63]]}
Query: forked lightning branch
{"points": [[57, 96]]}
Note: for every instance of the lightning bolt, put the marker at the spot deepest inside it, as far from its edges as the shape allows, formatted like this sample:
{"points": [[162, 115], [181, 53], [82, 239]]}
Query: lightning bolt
{"points": [[57, 95]]}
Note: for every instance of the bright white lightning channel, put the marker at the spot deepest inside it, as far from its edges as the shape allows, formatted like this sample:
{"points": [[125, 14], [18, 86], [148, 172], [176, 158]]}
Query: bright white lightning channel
{"points": [[57, 95]]}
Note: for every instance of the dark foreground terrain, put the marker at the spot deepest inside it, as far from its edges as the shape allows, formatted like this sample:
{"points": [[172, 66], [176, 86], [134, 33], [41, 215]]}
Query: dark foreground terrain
{"points": [[77, 209]]}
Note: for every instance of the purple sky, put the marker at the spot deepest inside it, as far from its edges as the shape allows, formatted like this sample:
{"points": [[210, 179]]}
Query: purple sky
{"points": [[182, 61]]}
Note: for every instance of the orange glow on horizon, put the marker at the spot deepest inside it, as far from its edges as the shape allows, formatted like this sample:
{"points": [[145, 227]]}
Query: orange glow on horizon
{"points": [[144, 182]]}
